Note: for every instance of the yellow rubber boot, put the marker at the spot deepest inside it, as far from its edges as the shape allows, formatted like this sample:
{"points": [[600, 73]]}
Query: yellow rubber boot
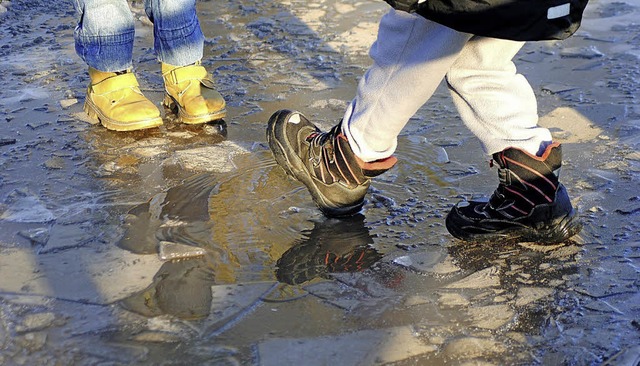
{"points": [[191, 95], [117, 102]]}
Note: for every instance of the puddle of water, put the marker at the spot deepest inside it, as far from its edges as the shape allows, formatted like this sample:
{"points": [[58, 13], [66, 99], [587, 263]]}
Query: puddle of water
{"points": [[245, 269]]}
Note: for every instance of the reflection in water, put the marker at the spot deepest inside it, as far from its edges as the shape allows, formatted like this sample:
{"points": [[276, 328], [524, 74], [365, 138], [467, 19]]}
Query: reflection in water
{"points": [[232, 242], [178, 214], [183, 288], [332, 246], [179, 288]]}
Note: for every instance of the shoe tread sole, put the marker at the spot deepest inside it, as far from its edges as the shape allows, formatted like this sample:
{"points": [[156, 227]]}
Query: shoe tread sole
{"points": [[188, 119], [556, 231], [94, 112]]}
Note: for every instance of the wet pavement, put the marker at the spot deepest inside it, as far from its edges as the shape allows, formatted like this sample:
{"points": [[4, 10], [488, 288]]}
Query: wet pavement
{"points": [[187, 245]]}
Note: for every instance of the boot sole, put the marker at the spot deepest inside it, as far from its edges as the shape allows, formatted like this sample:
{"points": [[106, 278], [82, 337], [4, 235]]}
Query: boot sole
{"points": [[188, 119], [294, 167], [115, 125], [553, 232]]}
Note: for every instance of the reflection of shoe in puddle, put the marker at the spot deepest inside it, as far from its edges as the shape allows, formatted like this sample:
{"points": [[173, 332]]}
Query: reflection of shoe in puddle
{"points": [[180, 288], [333, 246]]}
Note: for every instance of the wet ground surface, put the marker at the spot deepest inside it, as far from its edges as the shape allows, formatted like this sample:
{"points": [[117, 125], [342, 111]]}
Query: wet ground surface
{"points": [[188, 245]]}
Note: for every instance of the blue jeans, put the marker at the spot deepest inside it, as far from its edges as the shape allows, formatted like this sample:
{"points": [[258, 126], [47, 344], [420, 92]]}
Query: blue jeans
{"points": [[105, 32]]}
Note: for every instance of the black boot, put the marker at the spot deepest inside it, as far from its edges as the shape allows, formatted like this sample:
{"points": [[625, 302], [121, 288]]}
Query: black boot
{"points": [[323, 161], [528, 205]]}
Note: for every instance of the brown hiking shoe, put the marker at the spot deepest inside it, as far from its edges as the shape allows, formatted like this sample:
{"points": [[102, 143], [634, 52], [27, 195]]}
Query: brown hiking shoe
{"points": [[528, 205], [323, 161]]}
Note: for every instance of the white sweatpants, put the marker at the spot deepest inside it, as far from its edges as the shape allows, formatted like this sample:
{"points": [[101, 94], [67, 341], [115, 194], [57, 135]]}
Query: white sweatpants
{"points": [[411, 56]]}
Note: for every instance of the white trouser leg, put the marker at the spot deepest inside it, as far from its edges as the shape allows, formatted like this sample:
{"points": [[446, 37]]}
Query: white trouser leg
{"points": [[495, 103], [410, 57]]}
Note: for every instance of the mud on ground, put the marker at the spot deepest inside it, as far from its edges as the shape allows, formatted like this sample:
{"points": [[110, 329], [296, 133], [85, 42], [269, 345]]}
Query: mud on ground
{"points": [[188, 245]]}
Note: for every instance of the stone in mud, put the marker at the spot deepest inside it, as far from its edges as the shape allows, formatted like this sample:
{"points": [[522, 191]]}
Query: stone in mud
{"points": [[635, 155], [5, 141], [589, 52], [38, 236], [81, 274], [602, 306], [169, 326], [63, 237], [33, 341], [37, 124], [416, 300], [596, 180], [491, 317], [565, 252], [627, 357], [473, 347], [156, 337], [615, 9], [333, 104], [555, 88], [216, 158], [445, 267], [55, 162], [148, 152], [337, 294], [527, 295], [214, 350], [36, 322], [455, 171], [284, 292], [487, 277], [357, 280], [66, 103], [169, 251], [231, 303], [424, 262], [21, 206], [119, 353], [149, 142], [446, 299]]}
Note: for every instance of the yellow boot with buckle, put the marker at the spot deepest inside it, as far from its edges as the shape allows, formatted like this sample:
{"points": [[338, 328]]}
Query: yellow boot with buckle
{"points": [[190, 93], [116, 101]]}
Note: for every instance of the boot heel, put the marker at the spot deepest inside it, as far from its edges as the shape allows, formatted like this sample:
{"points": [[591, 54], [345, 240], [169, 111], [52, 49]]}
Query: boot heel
{"points": [[170, 103]]}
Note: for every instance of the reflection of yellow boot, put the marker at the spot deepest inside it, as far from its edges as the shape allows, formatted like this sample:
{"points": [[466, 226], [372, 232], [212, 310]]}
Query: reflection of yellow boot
{"points": [[190, 93], [117, 102]]}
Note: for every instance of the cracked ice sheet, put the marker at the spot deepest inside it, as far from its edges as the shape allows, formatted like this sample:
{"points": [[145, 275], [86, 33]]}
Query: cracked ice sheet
{"points": [[82, 274], [366, 347], [216, 158]]}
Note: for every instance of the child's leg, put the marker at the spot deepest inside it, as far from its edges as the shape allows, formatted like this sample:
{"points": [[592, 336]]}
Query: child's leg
{"points": [[410, 58]]}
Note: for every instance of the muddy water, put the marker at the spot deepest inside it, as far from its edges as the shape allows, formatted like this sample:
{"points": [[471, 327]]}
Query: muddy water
{"points": [[188, 245]]}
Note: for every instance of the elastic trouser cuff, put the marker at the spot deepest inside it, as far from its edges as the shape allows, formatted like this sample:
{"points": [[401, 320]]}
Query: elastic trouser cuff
{"points": [[361, 143]]}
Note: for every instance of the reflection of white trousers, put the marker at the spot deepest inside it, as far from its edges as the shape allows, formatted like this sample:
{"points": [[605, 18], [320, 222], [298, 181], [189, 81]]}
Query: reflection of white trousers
{"points": [[411, 57]]}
